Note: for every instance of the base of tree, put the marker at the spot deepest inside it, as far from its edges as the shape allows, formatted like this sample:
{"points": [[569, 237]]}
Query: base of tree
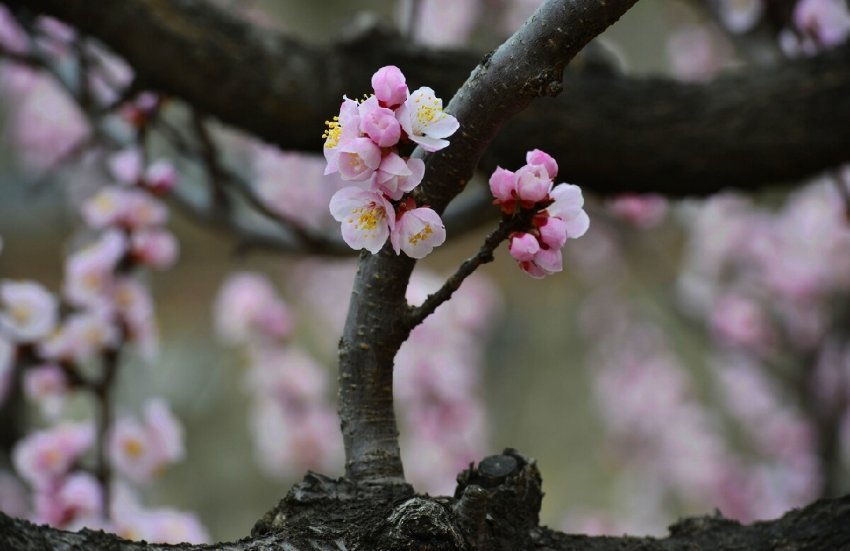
{"points": [[495, 507]]}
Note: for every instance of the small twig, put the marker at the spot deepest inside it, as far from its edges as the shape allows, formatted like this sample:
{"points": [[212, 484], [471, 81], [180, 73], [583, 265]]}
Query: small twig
{"points": [[417, 315]]}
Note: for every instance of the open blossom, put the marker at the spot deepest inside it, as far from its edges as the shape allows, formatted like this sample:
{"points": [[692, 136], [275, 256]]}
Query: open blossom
{"points": [[358, 159], [89, 272], [157, 248], [141, 451], [417, 232], [43, 457], [342, 129], [827, 21], [567, 206], [396, 176], [422, 118], [366, 217], [80, 337], [47, 386], [248, 309], [78, 498], [130, 208], [28, 311]]}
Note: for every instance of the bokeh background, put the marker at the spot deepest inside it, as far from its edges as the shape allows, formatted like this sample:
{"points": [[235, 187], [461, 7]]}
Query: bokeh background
{"points": [[637, 321]]}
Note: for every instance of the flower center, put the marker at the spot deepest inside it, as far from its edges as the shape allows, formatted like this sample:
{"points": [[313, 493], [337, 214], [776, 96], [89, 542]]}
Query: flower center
{"points": [[421, 235], [333, 133]]}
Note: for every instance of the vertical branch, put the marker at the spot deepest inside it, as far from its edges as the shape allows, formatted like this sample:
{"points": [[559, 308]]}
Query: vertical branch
{"points": [[103, 395], [373, 334], [527, 65]]}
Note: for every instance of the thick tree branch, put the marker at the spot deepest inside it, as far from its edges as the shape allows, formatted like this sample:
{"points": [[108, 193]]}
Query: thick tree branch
{"points": [[611, 133]]}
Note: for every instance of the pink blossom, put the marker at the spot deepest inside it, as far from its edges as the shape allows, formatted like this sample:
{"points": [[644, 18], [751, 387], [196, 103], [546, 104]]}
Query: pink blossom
{"points": [[29, 311], [694, 54], [12, 37], [533, 183], [80, 337], [523, 247], [358, 159], [503, 185], [342, 129], [126, 165], [379, 123], [248, 309], [390, 86], [77, 497], [46, 125], [160, 177], [134, 304], [396, 176], [442, 22], [303, 195], [89, 271], [417, 232], [643, 211], [156, 248], [739, 16], [134, 522], [545, 262], [42, 457], [290, 376], [141, 451], [422, 118], [366, 218], [130, 208], [537, 157], [553, 232], [739, 321], [567, 206], [46, 385], [827, 21]]}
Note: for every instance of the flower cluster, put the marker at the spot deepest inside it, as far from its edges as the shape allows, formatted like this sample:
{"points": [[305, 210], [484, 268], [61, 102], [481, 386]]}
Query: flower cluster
{"points": [[361, 144], [104, 305], [550, 214], [294, 425]]}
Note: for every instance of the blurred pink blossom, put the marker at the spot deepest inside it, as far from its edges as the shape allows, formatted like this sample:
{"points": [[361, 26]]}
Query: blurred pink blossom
{"points": [[28, 311], [248, 309], [47, 386], [43, 457]]}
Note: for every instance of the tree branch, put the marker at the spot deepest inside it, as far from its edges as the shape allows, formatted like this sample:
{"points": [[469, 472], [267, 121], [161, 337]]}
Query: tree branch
{"points": [[609, 132]]}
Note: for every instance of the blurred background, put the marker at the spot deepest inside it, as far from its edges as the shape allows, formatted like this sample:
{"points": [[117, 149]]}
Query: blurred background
{"points": [[692, 356]]}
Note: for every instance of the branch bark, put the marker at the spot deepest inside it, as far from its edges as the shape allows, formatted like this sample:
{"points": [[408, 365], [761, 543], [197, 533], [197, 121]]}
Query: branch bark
{"points": [[496, 508], [610, 133]]}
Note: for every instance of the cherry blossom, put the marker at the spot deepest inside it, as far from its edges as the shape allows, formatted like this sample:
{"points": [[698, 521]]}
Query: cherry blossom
{"points": [[417, 232], [366, 217], [47, 386], [247, 309], [42, 457], [29, 311], [422, 118]]}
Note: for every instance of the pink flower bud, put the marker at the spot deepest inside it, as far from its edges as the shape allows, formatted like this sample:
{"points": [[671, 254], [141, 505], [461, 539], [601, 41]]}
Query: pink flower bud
{"points": [[533, 183], [553, 232], [379, 123], [503, 185], [523, 247], [537, 157], [390, 86], [160, 177]]}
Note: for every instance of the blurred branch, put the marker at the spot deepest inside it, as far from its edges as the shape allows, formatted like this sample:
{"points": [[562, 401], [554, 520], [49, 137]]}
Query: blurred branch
{"points": [[611, 133]]}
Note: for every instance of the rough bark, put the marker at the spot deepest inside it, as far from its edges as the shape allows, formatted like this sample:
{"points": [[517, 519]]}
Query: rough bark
{"points": [[611, 133], [495, 508]]}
